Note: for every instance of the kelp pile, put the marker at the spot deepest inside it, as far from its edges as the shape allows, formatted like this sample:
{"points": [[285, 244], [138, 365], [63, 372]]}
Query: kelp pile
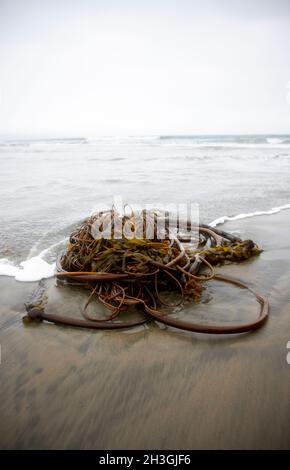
{"points": [[124, 271]]}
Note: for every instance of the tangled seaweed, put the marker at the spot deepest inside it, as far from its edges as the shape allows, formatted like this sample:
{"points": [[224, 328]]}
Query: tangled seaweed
{"points": [[125, 271]]}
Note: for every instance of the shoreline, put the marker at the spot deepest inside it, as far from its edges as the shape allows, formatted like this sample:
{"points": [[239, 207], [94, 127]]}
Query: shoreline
{"points": [[36, 268]]}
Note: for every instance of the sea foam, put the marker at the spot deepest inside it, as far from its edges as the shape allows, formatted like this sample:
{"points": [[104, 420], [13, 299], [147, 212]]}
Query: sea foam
{"points": [[30, 270], [225, 218]]}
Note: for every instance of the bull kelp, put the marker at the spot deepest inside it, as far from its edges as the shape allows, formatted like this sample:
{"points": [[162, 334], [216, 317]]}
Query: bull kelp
{"points": [[127, 261]]}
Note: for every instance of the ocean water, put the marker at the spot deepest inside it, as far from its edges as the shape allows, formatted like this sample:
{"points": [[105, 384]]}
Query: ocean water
{"points": [[47, 186]]}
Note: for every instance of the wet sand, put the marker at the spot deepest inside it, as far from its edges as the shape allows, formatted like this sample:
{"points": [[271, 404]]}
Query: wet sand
{"points": [[65, 388]]}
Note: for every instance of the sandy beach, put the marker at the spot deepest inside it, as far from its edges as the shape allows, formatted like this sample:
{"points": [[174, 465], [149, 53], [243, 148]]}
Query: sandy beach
{"points": [[64, 388]]}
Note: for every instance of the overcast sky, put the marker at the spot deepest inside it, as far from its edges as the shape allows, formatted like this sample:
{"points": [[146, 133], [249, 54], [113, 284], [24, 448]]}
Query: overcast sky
{"points": [[92, 67]]}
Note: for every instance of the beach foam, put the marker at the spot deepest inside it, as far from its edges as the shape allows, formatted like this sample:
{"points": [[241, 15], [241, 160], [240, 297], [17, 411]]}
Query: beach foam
{"points": [[30, 270], [225, 218]]}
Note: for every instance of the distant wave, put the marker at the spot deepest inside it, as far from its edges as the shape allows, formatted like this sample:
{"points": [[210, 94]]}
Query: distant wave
{"points": [[267, 138], [275, 140], [52, 141], [230, 145], [238, 141], [191, 141]]}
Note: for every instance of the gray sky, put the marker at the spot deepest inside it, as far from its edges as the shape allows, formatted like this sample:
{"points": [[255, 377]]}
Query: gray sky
{"points": [[144, 67]]}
